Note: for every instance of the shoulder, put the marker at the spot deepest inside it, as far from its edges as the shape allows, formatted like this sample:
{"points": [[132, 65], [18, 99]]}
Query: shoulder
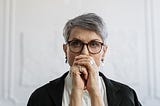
{"points": [[43, 94], [120, 92], [116, 86], [122, 89]]}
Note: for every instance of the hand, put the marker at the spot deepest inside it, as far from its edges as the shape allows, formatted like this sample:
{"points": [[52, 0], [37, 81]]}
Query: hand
{"points": [[84, 74], [90, 72], [77, 81]]}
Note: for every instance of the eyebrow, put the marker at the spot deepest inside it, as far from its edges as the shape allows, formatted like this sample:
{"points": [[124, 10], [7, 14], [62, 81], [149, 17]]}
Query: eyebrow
{"points": [[89, 41]]}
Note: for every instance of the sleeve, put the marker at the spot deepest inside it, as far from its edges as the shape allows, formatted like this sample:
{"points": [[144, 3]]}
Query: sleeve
{"points": [[32, 101], [136, 101], [130, 100], [40, 97], [35, 99]]}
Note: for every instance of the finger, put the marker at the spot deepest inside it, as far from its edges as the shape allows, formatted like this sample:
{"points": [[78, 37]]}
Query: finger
{"points": [[74, 70], [87, 62], [84, 72], [82, 57]]}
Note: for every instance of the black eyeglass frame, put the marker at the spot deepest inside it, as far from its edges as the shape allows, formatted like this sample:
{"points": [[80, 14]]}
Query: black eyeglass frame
{"points": [[69, 42]]}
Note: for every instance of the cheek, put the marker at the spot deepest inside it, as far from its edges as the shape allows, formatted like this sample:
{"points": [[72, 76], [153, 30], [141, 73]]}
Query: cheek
{"points": [[97, 59], [70, 58]]}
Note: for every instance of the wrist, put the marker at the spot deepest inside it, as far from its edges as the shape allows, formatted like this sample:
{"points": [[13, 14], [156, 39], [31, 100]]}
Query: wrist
{"points": [[76, 97], [96, 98], [94, 93], [77, 92]]}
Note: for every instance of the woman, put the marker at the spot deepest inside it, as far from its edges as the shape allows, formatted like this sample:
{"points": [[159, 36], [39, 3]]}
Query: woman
{"points": [[84, 85]]}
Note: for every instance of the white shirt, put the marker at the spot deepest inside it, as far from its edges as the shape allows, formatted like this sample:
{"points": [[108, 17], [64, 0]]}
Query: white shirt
{"points": [[85, 98]]}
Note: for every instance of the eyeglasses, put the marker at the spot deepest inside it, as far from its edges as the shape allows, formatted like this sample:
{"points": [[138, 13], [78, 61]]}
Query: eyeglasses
{"points": [[76, 46]]}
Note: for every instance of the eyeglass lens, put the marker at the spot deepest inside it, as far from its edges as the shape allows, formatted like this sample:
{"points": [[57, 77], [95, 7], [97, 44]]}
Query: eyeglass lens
{"points": [[93, 46]]}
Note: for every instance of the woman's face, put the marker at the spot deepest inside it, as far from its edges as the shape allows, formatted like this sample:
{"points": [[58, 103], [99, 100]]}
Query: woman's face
{"points": [[85, 36]]}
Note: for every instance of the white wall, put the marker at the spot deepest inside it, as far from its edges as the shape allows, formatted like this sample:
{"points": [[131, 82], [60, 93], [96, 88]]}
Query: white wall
{"points": [[31, 44]]}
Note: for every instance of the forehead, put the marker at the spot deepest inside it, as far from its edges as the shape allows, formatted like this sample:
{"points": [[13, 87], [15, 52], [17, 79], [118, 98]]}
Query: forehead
{"points": [[83, 35]]}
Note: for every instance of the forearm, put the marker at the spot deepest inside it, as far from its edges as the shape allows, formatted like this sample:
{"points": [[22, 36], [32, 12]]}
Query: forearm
{"points": [[76, 98], [96, 99]]}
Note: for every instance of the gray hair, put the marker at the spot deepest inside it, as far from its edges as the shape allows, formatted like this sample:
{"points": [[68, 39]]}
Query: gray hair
{"points": [[89, 21]]}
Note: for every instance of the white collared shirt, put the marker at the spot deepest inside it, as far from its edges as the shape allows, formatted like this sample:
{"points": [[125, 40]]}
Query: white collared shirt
{"points": [[85, 98]]}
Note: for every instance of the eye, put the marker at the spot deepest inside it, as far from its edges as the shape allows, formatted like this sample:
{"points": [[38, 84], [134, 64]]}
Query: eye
{"points": [[94, 44], [75, 43]]}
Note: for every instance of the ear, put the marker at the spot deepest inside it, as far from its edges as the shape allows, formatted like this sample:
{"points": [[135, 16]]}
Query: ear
{"points": [[105, 47], [65, 49]]}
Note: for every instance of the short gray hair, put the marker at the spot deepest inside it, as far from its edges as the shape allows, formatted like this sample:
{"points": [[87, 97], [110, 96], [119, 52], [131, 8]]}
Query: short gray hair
{"points": [[89, 21]]}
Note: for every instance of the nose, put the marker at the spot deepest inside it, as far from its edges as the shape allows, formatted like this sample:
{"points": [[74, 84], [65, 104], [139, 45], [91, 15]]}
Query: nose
{"points": [[85, 50]]}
